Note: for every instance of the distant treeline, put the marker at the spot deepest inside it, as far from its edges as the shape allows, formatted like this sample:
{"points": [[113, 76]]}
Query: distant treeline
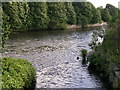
{"points": [[49, 15], [24, 16]]}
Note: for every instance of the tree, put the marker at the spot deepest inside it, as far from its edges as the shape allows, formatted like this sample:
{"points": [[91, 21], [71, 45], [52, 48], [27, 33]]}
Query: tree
{"points": [[78, 15], [96, 16], [100, 8], [57, 12], [23, 13], [106, 15], [71, 15], [5, 27], [84, 9], [112, 10], [83, 21], [11, 10], [17, 12], [113, 13], [38, 18]]}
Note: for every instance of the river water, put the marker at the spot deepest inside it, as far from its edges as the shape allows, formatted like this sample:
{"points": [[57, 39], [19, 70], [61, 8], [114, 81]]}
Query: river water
{"points": [[54, 55]]}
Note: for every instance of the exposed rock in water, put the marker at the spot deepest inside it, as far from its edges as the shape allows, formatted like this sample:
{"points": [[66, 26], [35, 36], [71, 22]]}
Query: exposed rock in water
{"points": [[66, 62], [77, 58]]}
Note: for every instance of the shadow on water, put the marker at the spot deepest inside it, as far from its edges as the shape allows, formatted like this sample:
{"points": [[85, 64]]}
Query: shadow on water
{"points": [[84, 62], [92, 72], [103, 80]]}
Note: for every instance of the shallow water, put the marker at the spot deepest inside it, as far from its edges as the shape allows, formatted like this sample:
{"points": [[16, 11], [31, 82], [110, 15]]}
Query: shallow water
{"points": [[54, 55]]}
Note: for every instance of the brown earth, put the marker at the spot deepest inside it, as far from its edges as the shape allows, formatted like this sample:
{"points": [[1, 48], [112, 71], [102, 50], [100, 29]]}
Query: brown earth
{"points": [[89, 25]]}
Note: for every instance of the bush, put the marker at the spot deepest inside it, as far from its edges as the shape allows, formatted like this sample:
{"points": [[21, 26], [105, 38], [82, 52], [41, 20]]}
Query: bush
{"points": [[106, 57], [17, 73], [84, 55], [55, 25]]}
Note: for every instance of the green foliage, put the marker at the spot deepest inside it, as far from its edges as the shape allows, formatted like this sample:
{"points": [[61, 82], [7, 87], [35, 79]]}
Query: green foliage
{"points": [[71, 15], [23, 14], [84, 56], [54, 25], [86, 13], [83, 21], [37, 15], [112, 10], [5, 27], [57, 12], [84, 53], [100, 8], [38, 18], [17, 12], [109, 13], [78, 14], [11, 9], [113, 13], [106, 55], [96, 16], [17, 73], [105, 15]]}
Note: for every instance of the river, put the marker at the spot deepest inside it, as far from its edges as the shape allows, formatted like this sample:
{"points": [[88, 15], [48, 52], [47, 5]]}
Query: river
{"points": [[54, 55]]}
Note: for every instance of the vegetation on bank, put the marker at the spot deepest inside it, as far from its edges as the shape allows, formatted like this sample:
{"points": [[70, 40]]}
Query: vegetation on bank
{"points": [[105, 61], [17, 74]]}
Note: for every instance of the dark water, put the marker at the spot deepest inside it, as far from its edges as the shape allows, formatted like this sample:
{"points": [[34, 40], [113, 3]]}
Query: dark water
{"points": [[54, 55]]}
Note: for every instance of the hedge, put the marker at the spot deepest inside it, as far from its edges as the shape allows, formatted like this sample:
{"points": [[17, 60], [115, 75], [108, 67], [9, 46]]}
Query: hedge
{"points": [[17, 74]]}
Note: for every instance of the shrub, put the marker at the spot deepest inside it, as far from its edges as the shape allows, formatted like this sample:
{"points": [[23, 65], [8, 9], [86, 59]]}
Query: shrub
{"points": [[106, 57], [55, 25], [17, 73], [84, 54]]}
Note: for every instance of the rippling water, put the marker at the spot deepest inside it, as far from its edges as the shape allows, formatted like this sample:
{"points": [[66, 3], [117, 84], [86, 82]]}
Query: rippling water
{"points": [[54, 55]]}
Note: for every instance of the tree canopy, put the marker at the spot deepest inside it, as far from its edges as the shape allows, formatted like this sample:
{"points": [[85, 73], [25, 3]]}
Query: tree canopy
{"points": [[38, 18], [71, 15], [57, 12], [42, 15]]}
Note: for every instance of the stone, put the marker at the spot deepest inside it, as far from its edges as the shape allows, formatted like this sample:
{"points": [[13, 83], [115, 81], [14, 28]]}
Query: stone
{"points": [[77, 58], [117, 74], [111, 77], [115, 83], [54, 83], [114, 67], [66, 62]]}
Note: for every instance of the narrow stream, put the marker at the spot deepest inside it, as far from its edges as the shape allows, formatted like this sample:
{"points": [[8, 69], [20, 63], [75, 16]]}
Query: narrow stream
{"points": [[54, 55]]}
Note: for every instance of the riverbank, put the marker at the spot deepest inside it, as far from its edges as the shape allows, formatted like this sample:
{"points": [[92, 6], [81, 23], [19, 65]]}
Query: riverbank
{"points": [[89, 25], [105, 61], [67, 27]]}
